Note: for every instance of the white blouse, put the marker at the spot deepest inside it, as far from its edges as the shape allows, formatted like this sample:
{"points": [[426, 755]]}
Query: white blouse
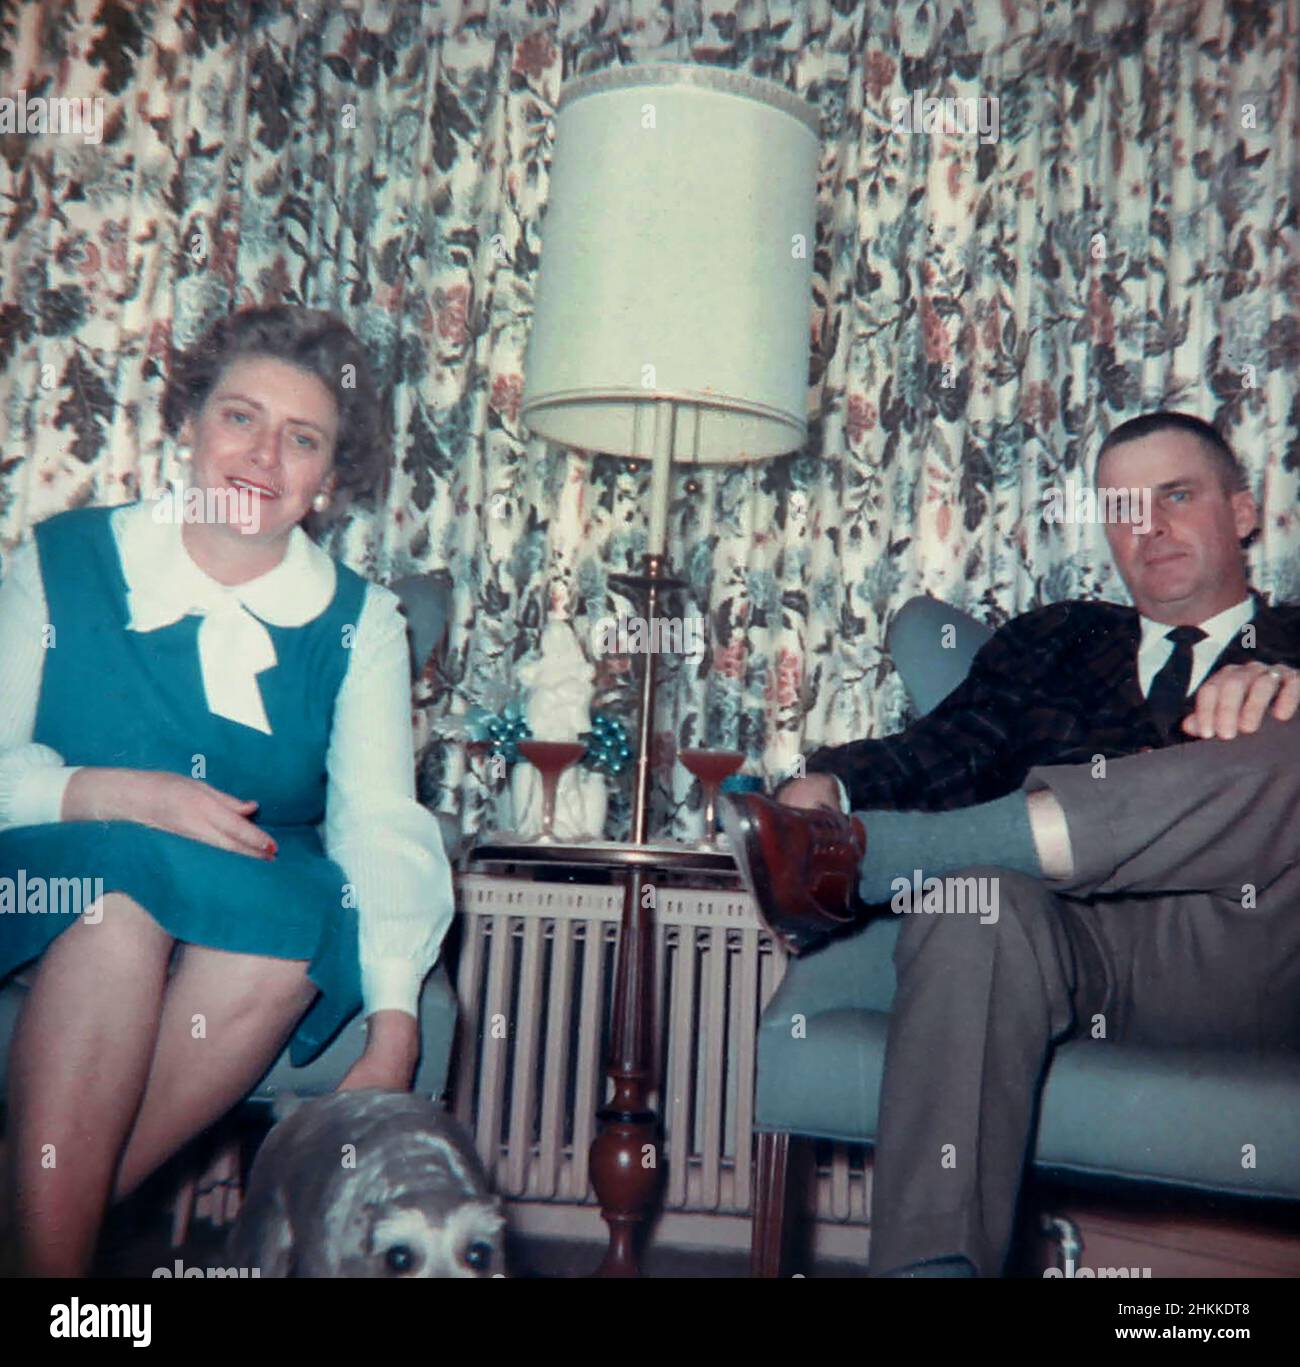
{"points": [[388, 845]]}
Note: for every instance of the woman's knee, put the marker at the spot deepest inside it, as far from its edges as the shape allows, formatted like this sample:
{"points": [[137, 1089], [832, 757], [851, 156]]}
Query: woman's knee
{"points": [[246, 986], [123, 931], [281, 984]]}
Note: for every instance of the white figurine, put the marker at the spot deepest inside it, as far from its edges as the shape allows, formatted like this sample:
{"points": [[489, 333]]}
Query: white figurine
{"points": [[559, 683]]}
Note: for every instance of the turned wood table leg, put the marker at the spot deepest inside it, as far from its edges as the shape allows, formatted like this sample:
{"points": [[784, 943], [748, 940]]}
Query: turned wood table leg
{"points": [[625, 1155]]}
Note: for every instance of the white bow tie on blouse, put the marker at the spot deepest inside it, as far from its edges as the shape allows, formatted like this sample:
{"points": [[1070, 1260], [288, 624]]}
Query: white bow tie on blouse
{"points": [[164, 585]]}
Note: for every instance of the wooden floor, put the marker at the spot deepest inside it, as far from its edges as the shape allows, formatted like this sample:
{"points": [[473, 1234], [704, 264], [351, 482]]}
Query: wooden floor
{"points": [[1169, 1244], [1183, 1242], [1174, 1235], [138, 1250]]}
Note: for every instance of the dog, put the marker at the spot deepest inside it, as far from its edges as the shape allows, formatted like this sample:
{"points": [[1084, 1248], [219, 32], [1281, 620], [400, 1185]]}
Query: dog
{"points": [[369, 1184]]}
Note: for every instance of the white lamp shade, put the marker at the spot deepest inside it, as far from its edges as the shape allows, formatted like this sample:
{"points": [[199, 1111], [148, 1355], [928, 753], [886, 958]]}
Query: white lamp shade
{"points": [[676, 264]]}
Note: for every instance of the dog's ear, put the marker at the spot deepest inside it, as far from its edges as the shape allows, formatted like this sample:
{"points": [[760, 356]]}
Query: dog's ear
{"points": [[462, 1143]]}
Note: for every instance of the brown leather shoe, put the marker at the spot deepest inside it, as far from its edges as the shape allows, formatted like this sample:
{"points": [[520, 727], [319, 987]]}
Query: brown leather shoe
{"points": [[801, 865]]}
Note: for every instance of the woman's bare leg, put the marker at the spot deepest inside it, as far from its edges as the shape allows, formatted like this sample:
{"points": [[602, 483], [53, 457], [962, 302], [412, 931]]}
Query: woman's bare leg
{"points": [[225, 1017], [79, 1059]]}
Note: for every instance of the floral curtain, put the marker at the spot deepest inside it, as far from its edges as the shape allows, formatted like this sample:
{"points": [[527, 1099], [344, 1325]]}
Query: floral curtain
{"points": [[984, 310]]}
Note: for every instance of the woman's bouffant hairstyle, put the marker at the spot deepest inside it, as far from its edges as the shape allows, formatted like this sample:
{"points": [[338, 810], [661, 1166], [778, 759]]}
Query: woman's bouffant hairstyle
{"points": [[319, 343]]}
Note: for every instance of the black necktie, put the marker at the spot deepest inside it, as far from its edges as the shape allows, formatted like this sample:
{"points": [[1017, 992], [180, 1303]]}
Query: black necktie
{"points": [[1167, 698]]}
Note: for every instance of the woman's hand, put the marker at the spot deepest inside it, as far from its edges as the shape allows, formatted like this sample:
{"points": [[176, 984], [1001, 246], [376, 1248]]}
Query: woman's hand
{"points": [[167, 802], [391, 1053]]}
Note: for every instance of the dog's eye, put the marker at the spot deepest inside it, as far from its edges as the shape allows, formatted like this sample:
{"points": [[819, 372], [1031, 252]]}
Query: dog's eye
{"points": [[479, 1255], [400, 1258]]}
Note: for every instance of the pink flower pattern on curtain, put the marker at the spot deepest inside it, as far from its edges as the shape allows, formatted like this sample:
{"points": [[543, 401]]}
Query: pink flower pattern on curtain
{"points": [[983, 311]]}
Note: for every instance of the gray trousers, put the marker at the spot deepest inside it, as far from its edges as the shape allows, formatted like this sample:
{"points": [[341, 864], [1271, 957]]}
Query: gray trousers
{"points": [[1154, 931]]}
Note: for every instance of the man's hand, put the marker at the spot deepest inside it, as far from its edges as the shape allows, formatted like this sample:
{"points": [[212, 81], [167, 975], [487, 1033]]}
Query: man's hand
{"points": [[814, 790], [1236, 697], [391, 1053]]}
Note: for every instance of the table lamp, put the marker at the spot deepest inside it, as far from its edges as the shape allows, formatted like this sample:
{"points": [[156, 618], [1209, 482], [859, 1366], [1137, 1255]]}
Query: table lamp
{"points": [[673, 303]]}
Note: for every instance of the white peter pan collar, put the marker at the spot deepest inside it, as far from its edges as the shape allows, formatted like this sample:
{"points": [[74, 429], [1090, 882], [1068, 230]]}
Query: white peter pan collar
{"points": [[164, 585]]}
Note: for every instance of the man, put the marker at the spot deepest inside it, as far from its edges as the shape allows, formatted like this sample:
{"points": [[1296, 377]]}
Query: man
{"points": [[1120, 857]]}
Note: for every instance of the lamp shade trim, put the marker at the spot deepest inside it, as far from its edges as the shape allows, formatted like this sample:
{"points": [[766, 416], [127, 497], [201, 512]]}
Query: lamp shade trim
{"points": [[572, 415], [696, 397], [720, 79]]}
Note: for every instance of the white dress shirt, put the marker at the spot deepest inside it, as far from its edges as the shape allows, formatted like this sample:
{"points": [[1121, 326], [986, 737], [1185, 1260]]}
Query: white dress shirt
{"points": [[1219, 630], [1154, 650], [388, 845]]}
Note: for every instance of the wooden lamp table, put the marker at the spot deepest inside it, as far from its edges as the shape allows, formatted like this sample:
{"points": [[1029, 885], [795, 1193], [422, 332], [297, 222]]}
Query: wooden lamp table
{"points": [[624, 1182]]}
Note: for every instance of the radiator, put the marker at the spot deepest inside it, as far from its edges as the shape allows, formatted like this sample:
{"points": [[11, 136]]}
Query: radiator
{"points": [[535, 982]]}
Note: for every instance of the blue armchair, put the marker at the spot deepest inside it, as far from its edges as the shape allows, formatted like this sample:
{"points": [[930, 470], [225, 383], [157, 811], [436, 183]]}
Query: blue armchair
{"points": [[1111, 1111]]}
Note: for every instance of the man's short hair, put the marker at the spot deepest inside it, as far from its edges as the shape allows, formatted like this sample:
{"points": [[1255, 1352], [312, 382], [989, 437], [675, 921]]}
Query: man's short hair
{"points": [[1232, 474]]}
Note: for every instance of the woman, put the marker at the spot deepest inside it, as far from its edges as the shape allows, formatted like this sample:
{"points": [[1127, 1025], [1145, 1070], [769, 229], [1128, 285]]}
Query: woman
{"points": [[182, 704]]}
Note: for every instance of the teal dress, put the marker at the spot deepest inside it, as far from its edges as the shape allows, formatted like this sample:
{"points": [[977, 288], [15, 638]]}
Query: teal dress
{"points": [[127, 699]]}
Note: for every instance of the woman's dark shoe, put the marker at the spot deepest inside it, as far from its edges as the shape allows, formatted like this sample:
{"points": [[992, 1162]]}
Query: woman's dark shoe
{"points": [[801, 865]]}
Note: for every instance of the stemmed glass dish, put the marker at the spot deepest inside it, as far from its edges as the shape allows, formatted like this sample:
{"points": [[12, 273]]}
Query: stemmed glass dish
{"points": [[550, 758], [711, 767]]}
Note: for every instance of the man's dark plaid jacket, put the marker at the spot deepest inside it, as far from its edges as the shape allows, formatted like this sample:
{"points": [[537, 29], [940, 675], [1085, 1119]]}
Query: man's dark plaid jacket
{"points": [[1058, 685]]}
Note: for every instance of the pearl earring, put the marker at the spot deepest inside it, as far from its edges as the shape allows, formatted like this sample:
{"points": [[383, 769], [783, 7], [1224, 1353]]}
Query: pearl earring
{"points": [[184, 452], [321, 502]]}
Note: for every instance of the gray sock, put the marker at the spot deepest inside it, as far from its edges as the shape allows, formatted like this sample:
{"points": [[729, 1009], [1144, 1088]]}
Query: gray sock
{"points": [[898, 843]]}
